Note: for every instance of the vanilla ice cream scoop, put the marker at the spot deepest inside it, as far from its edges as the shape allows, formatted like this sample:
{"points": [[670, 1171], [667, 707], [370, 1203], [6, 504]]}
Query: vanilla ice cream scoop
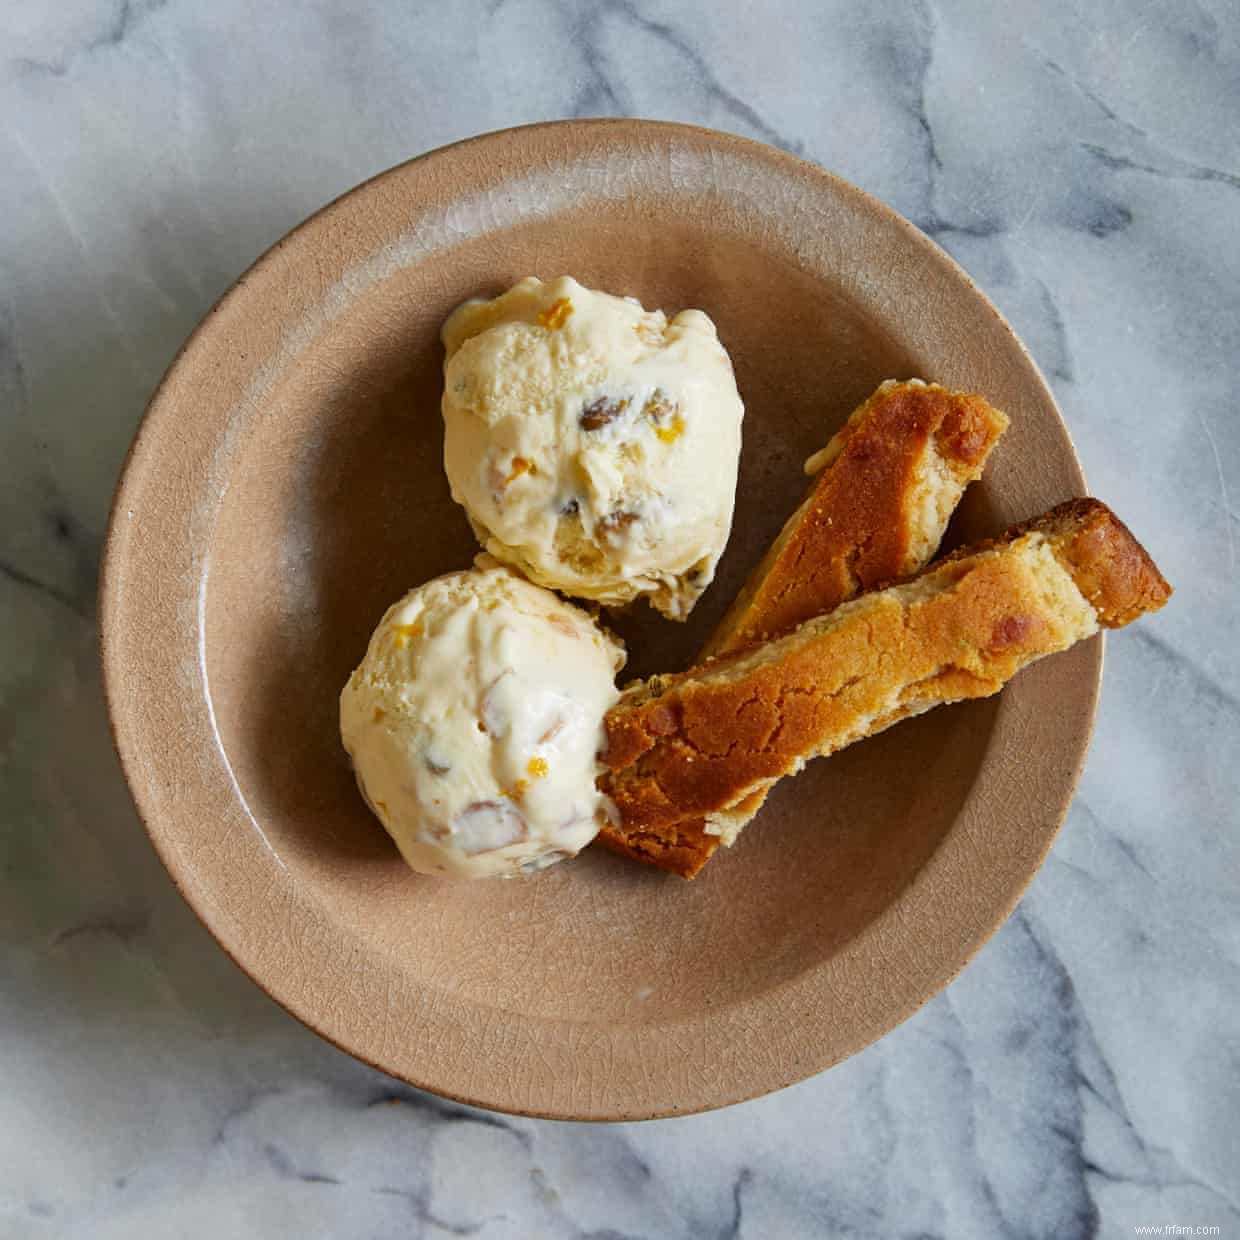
{"points": [[593, 444], [475, 720]]}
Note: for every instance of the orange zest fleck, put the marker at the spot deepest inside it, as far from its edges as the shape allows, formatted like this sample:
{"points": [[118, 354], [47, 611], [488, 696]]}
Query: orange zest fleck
{"points": [[404, 633], [672, 431], [537, 768], [556, 314], [519, 466]]}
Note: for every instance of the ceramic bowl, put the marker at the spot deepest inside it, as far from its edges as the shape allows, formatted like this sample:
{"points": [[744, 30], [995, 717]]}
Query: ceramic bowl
{"points": [[286, 485]]}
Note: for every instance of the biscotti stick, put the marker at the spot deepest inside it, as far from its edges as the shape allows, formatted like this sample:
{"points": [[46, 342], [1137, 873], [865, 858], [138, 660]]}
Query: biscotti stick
{"points": [[697, 743], [884, 489]]}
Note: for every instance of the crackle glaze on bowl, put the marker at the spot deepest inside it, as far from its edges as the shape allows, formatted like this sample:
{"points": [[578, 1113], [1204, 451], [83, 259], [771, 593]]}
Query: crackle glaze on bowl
{"points": [[286, 486]]}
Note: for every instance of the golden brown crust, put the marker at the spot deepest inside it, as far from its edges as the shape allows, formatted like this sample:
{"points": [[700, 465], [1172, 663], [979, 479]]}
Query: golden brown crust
{"points": [[1110, 567], [678, 848], [698, 742], [876, 510], [867, 518]]}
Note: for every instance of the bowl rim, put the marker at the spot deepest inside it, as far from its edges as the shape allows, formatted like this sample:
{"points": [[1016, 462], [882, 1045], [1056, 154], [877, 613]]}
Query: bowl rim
{"points": [[157, 412]]}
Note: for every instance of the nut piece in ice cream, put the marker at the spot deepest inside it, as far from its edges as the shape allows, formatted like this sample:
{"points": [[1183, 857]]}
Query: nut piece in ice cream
{"points": [[475, 720], [593, 444]]}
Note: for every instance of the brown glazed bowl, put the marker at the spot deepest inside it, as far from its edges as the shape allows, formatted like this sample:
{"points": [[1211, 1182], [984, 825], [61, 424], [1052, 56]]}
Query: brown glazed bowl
{"points": [[286, 485]]}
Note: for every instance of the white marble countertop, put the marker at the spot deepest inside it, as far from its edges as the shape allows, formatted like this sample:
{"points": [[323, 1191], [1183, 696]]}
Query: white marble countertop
{"points": [[1082, 1076]]}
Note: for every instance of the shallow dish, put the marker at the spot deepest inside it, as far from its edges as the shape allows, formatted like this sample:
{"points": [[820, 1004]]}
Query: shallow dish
{"points": [[286, 486]]}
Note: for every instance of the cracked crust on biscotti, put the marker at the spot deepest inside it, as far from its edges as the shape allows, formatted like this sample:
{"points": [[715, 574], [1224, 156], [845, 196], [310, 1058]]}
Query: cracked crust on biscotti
{"points": [[697, 743], [884, 489]]}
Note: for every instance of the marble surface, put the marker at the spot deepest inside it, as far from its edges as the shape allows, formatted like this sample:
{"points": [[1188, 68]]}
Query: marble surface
{"points": [[1082, 1077]]}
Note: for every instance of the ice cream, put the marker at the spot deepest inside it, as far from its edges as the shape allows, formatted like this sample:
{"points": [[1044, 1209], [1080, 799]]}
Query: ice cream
{"points": [[475, 720], [593, 444]]}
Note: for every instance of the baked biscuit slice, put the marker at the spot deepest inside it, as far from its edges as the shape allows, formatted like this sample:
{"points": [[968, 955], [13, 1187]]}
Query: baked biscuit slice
{"points": [[884, 489], [696, 744]]}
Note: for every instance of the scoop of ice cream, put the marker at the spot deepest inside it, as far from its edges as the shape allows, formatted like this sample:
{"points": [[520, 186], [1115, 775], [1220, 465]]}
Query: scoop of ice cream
{"points": [[593, 444], [475, 720]]}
